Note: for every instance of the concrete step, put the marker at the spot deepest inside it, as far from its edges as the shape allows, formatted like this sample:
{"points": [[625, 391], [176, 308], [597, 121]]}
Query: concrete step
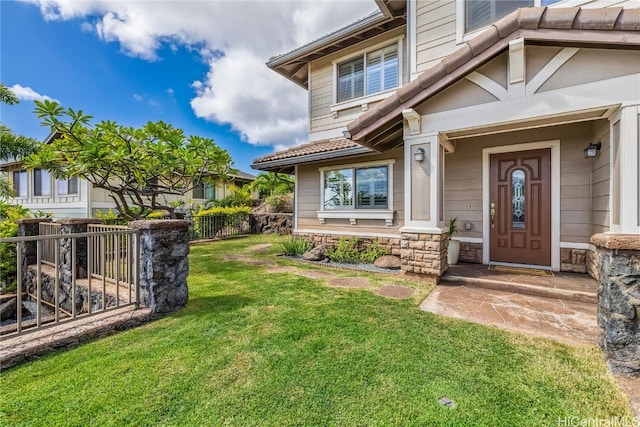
{"points": [[513, 285]]}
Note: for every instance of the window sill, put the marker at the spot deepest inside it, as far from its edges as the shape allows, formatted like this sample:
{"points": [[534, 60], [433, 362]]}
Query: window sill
{"points": [[362, 102], [354, 215]]}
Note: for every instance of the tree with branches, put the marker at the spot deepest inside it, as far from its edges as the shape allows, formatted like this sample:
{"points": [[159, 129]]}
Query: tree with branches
{"points": [[139, 167], [12, 145]]}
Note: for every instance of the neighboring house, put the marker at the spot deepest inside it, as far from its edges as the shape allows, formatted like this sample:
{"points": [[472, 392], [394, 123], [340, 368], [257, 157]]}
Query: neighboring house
{"points": [[75, 198], [429, 110]]}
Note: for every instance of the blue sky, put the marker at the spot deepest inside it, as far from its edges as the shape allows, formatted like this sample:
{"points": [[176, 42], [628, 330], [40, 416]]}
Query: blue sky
{"points": [[196, 65]]}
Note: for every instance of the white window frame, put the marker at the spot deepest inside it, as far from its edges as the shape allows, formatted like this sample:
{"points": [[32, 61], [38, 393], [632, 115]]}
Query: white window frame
{"points": [[364, 101], [362, 213], [67, 192], [35, 180], [21, 172], [462, 36]]}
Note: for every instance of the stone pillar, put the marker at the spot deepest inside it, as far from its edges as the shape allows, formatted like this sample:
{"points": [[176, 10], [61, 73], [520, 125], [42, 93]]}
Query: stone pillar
{"points": [[164, 265], [424, 253], [73, 226], [618, 260], [29, 227]]}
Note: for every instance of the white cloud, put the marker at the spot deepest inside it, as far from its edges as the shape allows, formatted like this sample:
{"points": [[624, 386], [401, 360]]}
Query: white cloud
{"points": [[28, 94], [236, 38]]}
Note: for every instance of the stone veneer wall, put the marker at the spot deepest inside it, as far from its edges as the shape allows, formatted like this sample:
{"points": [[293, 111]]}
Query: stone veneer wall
{"points": [[470, 252], [592, 265], [424, 253], [164, 265], [391, 244], [573, 260], [618, 260], [277, 223]]}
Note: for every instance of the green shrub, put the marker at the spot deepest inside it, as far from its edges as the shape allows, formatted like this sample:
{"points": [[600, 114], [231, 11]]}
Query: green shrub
{"points": [[295, 246], [230, 210], [372, 252], [351, 250], [280, 202], [208, 222], [346, 251], [8, 257]]}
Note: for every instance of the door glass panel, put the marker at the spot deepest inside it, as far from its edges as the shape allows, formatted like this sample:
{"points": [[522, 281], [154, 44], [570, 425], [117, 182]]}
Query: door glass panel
{"points": [[518, 198]]}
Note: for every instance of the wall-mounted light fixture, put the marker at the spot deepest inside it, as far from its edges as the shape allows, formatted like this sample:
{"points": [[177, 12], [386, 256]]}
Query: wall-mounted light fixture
{"points": [[418, 155], [592, 150]]}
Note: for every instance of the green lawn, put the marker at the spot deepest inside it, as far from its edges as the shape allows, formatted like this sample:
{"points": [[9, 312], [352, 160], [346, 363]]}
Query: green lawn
{"points": [[253, 348]]}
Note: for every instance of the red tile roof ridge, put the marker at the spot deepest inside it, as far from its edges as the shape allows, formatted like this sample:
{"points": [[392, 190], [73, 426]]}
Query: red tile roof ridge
{"points": [[533, 18]]}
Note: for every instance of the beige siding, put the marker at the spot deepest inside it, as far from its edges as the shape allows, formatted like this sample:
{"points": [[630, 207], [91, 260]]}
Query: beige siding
{"points": [[436, 32], [537, 58], [321, 86], [496, 70], [460, 95], [463, 178], [308, 202], [580, 68], [600, 180]]}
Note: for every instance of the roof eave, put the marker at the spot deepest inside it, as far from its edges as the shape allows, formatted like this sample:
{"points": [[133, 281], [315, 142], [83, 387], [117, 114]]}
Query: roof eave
{"points": [[288, 163], [329, 39]]}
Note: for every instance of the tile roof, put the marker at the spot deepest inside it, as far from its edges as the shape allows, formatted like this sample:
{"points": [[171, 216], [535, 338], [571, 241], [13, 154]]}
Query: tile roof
{"points": [[316, 147], [612, 26], [284, 161]]}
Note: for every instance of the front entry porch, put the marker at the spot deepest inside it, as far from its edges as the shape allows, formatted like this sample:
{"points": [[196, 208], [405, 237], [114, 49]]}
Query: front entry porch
{"points": [[559, 285], [561, 307]]}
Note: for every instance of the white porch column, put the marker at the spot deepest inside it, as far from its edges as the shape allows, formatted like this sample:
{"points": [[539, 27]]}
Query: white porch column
{"points": [[625, 192]]}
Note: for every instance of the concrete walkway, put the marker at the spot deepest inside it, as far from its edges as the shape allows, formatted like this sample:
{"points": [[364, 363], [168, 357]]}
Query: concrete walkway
{"points": [[570, 322], [561, 307]]}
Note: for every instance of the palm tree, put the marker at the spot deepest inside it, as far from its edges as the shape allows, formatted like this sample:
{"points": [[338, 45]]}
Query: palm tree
{"points": [[273, 183]]}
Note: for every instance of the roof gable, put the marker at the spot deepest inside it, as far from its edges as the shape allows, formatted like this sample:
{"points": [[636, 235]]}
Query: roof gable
{"points": [[603, 27]]}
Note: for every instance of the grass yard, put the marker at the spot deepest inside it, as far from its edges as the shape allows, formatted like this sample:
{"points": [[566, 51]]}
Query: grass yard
{"points": [[253, 348]]}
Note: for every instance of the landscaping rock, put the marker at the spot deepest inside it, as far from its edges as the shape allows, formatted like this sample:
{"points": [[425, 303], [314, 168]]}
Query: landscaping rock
{"points": [[315, 254], [8, 309], [388, 261]]}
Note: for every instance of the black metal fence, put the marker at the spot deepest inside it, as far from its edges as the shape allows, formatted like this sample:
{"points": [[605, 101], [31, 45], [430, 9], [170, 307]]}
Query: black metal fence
{"points": [[219, 226]]}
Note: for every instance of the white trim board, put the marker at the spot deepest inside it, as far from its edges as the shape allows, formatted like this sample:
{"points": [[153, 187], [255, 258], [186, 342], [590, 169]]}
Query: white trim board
{"points": [[350, 233], [555, 194]]}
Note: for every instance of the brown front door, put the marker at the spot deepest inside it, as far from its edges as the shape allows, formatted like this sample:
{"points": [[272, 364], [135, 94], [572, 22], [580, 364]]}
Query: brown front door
{"points": [[520, 207]]}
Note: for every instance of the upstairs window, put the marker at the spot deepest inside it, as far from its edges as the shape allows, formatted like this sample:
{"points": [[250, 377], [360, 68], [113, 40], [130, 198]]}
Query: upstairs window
{"points": [[369, 73], [20, 183], [480, 13], [68, 186], [41, 182]]}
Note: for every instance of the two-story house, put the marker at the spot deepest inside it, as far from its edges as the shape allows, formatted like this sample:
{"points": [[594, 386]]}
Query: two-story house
{"points": [[518, 118]]}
